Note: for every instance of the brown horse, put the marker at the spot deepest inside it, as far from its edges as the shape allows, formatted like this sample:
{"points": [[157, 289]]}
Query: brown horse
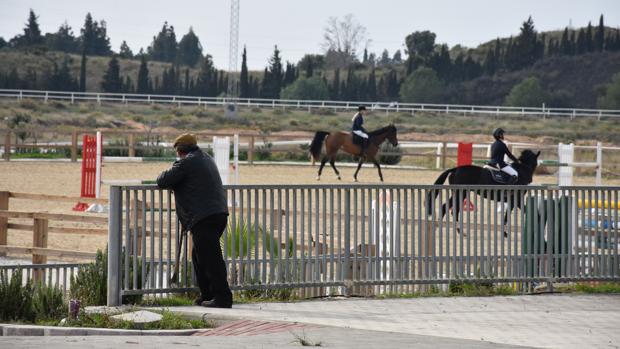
{"points": [[343, 140]]}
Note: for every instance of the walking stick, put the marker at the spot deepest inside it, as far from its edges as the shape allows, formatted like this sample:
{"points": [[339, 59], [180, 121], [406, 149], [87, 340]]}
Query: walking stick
{"points": [[175, 274]]}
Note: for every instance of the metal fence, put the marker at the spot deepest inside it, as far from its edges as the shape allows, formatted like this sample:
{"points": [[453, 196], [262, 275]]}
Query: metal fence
{"points": [[52, 275], [127, 98], [370, 239]]}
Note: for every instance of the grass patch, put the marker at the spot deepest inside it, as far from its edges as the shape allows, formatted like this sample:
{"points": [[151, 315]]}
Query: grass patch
{"points": [[170, 301], [606, 287], [169, 321]]}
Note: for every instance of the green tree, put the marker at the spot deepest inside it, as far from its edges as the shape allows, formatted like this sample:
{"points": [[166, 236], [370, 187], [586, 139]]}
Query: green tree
{"points": [[94, 37], [83, 72], [589, 38], [32, 33], [313, 88], [371, 87], [112, 81], [422, 86], [3, 42], [61, 79], [526, 46], [290, 74], [527, 93], [599, 36], [63, 40], [206, 84], [397, 59], [244, 81], [420, 44], [143, 76], [566, 46], [125, 51], [611, 97], [190, 50], [273, 76], [164, 45]]}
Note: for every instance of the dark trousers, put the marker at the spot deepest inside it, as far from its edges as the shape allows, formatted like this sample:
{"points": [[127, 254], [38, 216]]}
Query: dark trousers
{"points": [[208, 260]]}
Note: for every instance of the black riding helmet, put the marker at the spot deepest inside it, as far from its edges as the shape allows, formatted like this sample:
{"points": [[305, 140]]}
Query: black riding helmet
{"points": [[498, 133]]}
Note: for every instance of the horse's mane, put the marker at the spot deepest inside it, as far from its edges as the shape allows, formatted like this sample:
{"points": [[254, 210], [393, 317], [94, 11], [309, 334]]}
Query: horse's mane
{"points": [[380, 131]]}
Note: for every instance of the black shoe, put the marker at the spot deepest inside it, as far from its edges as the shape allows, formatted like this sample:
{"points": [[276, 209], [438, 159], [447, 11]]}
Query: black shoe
{"points": [[215, 304], [201, 299]]}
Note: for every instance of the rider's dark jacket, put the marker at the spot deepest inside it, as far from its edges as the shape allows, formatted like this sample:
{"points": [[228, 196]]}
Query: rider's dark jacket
{"points": [[498, 150], [358, 120]]}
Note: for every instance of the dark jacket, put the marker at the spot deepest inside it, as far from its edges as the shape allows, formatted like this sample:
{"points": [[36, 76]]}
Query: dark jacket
{"points": [[358, 121], [498, 150], [197, 186]]}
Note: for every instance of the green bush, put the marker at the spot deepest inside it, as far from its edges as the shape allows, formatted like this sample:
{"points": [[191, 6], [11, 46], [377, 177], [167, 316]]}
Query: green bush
{"points": [[395, 154], [527, 93], [90, 284], [48, 303], [15, 298]]}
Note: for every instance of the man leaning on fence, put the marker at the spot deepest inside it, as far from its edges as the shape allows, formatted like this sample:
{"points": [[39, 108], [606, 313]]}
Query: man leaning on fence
{"points": [[202, 209]]}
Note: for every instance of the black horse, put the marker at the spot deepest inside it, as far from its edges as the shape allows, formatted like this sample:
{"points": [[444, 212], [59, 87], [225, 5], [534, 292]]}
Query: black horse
{"points": [[475, 175]]}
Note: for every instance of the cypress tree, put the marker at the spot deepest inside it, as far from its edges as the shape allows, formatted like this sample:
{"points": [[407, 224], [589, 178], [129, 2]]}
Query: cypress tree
{"points": [[244, 82], [83, 72], [143, 76], [599, 36], [88, 35], [334, 91], [589, 40], [565, 44], [111, 79], [371, 86], [582, 44]]}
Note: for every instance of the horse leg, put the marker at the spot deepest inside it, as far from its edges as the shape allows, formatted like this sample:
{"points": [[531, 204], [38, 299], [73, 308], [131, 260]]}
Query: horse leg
{"points": [[323, 161], [378, 169], [332, 162], [456, 211], [359, 165]]}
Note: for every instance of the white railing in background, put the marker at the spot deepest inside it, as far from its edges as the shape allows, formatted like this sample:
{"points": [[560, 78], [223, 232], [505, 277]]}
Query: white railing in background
{"points": [[127, 98]]}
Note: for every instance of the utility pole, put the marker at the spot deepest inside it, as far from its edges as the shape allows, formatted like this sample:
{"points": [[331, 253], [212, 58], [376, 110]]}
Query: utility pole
{"points": [[233, 78]]}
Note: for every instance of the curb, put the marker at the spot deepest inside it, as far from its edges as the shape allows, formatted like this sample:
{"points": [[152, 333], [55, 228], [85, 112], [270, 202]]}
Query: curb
{"points": [[31, 330]]}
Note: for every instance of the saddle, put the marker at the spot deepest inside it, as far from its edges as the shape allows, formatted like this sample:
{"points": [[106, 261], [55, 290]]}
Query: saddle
{"points": [[357, 140], [499, 176]]}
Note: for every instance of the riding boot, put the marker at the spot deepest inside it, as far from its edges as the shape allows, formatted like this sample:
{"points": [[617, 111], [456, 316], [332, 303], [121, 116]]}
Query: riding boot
{"points": [[513, 179], [364, 147]]}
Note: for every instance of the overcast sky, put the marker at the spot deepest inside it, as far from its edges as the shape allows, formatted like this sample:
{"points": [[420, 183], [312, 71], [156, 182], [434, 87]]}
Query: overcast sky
{"points": [[297, 26]]}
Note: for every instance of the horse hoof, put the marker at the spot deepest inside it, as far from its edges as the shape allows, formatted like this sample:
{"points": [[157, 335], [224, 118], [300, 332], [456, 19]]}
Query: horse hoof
{"points": [[318, 178], [354, 179], [339, 178]]}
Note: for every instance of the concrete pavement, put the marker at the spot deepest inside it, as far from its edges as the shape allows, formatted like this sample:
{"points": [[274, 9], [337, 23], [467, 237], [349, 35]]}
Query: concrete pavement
{"points": [[546, 321], [541, 321]]}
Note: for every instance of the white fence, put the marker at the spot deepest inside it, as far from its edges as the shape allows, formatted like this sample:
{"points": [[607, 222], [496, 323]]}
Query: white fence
{"points": [[127, 98]]}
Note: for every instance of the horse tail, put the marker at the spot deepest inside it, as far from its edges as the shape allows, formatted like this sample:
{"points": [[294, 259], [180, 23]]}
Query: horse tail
{"points": [[317, 144], [432, 194]]}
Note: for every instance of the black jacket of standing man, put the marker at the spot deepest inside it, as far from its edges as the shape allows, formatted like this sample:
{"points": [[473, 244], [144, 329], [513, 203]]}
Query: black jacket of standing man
{"points": [[202, 209]]}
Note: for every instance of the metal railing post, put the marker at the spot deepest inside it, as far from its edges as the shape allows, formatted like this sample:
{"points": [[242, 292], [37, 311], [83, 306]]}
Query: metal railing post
{"points": [[114, 246], [347, 243]]}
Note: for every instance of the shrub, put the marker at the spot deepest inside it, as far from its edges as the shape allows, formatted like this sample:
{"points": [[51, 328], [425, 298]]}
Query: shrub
{"points": [[527, 93], [90, 284], [394, 156], [15, 298], [29, 104], [48, 303]]}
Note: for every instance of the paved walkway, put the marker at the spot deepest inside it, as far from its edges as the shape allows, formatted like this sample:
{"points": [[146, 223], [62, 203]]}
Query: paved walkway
{"points": [[548, 321], [543, 321]]}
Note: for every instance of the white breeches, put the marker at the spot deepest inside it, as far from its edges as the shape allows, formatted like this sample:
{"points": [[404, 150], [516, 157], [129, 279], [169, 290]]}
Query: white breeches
{"points": [[360, 133], [511, 171]]}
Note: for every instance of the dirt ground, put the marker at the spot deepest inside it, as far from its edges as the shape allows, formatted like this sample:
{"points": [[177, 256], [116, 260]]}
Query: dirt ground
{"points": [[58, 178]]}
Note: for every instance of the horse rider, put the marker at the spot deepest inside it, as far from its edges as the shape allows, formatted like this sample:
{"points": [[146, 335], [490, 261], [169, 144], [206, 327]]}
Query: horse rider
{"points": [[358, 130], [498, 150]]}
